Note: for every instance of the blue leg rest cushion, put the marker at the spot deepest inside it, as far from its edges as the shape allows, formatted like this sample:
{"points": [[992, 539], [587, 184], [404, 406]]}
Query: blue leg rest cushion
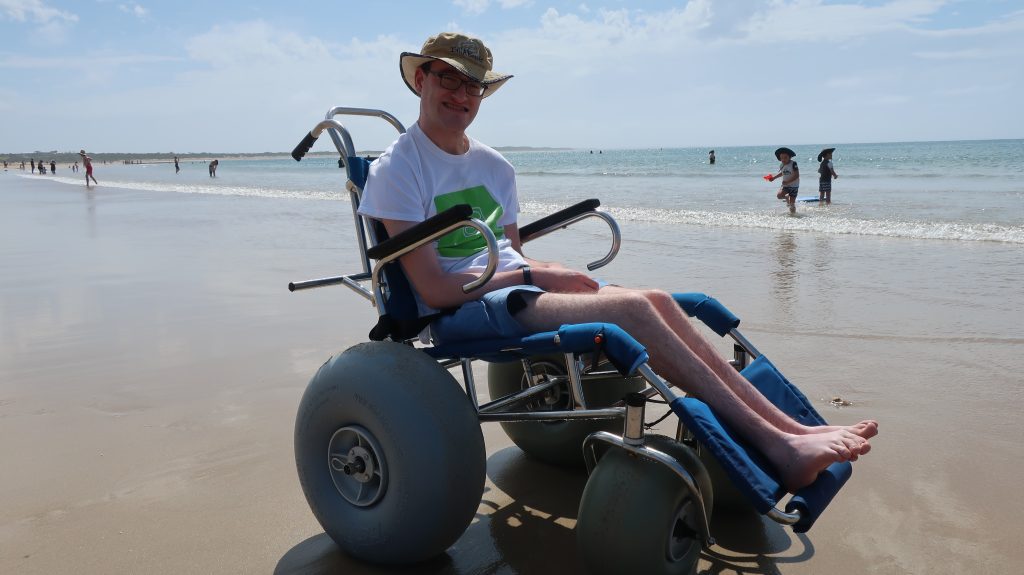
{"points": [[748, 469], [709, 310]]}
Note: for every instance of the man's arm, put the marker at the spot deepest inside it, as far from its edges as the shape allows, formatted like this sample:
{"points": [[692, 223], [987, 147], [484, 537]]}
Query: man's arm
{"points": [[552, 276], [440, 289]]}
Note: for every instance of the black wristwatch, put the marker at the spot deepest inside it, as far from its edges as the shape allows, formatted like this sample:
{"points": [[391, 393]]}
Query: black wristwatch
{"points": [[527, 275]]}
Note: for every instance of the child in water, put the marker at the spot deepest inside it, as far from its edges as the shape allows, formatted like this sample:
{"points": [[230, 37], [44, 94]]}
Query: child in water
{"points": [[827, 173], [790, 174]]}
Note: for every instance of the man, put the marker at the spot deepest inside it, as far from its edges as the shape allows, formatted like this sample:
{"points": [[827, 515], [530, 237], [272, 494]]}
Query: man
{"points": [[436, 165]]}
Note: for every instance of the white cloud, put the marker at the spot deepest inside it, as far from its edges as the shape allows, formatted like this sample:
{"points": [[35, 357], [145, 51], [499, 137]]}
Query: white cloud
{"points": [[23, 10], [77, 63], [476, 7], [472, 6], [256, 44], [134, 9], [966, 54], [812, 20]]}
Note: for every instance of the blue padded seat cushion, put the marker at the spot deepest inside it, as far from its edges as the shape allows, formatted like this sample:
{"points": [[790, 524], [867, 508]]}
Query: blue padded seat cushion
{"points": [[624, 352], [749, 471]]}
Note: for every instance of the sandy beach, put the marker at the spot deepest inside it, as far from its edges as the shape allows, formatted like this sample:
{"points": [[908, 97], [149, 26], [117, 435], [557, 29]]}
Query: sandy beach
{"points": [[152, 361]]}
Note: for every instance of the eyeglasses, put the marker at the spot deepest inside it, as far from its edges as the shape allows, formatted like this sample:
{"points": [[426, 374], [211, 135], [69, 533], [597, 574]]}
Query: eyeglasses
{"points": [[452, 82]]}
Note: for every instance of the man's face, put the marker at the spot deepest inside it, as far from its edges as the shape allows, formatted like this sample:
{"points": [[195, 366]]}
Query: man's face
{"points": [[443, 109]]}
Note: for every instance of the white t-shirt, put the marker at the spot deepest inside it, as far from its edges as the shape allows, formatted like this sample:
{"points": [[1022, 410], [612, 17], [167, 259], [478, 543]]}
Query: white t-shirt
{"points": [[414, 180], [787, 171]]}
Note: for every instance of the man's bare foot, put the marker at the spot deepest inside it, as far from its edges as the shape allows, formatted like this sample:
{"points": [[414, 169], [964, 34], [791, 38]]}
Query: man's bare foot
{"points": [[866, 429], [800, 458]]}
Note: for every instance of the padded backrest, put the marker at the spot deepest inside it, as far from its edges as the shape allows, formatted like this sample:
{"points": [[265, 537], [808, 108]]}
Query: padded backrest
{"points": [[400, 314]]}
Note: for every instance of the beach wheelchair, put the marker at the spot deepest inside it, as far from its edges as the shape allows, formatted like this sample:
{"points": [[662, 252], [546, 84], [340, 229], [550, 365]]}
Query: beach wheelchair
{"points": [[388, 445]]}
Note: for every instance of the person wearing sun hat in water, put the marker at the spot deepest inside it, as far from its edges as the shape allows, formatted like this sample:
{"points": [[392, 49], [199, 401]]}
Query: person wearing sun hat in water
{"points": [[827, 173], [790, 174]]}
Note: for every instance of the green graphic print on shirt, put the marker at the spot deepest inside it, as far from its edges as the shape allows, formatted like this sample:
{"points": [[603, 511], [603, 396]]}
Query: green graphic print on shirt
{"points": [[468, 241]]}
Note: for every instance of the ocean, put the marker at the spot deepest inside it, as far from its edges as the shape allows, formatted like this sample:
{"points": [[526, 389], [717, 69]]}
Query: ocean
{"points": [[960, 191]]}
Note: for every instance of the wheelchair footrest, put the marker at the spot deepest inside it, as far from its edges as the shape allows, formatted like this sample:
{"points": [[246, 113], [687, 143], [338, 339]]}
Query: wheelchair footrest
{"points": [[749, 471]]}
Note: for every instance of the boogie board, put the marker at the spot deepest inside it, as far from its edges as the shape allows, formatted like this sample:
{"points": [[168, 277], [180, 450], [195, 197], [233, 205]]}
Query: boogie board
{"points": [[808, 199]]}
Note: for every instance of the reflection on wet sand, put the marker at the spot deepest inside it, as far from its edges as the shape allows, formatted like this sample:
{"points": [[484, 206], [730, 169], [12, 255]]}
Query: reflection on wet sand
{"points": [[784, 275]]}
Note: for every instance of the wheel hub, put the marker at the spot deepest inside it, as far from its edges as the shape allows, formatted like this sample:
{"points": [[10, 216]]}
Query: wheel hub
{"points": [[683, 535], [357, 465]]}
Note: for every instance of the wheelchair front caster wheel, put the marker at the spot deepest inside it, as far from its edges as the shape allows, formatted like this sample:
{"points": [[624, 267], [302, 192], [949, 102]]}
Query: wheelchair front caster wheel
{"points": [[636, 516], [389, 453]]}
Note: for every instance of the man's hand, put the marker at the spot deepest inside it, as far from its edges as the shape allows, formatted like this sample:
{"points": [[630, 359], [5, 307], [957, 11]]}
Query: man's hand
{"points": [[563, 280]]}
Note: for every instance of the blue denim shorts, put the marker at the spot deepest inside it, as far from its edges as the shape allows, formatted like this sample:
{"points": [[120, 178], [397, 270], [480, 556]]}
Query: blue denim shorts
{"points": [[791, 191], [489, 317]]}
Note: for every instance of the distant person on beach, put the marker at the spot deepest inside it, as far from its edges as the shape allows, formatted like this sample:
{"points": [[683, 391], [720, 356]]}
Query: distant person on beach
{"points": [[213, 169], [435, 164], [74, 168], [87, 162], [42, 169], [177, 168], [53, 167], [827, 173], [33, 160], [790, 174], [711, 157]]}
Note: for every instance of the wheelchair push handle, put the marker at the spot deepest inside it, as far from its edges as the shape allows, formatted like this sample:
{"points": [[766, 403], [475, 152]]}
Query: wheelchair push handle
{"points": [[303, 146]]}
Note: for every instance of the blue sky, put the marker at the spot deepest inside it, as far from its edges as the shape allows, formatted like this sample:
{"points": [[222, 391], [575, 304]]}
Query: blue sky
{"points": [[254, 76]]}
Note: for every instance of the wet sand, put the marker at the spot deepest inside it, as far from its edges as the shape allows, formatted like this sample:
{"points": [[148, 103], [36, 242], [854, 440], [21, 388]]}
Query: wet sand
{"points": [[152, 360]]}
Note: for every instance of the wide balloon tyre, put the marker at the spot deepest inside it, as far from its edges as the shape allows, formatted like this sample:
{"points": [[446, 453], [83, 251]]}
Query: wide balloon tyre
{"points": [[557, 442], [636, 515], [389, 453]]}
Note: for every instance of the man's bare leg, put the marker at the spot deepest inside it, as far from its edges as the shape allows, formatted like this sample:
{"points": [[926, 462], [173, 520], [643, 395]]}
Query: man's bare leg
{"points": [[798, 458], [681, 325]]}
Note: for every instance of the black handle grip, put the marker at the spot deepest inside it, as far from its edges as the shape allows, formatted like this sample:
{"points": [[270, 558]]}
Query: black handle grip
{"points": [[560, 216], [303, 146], [421, 230]]}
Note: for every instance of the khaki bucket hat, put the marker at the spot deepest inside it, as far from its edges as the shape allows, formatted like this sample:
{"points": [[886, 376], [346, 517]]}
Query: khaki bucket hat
{"points": [[466, 54]]}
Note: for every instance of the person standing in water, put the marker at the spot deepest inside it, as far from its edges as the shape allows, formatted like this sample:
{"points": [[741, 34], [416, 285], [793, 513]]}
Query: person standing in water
{"points": [[827, 173], [711, 157], [790, 174], [87, 162]]}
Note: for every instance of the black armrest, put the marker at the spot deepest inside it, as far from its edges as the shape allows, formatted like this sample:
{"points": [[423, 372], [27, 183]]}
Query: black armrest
{"points": [[421, 230], [556, 218]]}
